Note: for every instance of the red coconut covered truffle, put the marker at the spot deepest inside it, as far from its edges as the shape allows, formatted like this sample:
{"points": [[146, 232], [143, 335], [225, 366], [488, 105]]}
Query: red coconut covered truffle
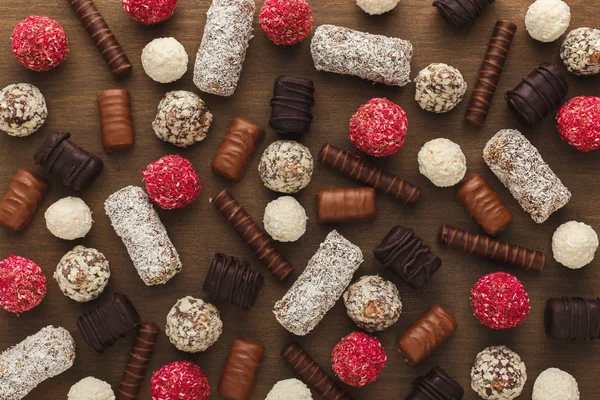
{"points": [[39, 43], [172, 182], [578, 122], [500, 301], [378, 127], [179, 380], [358, 359], [286, 22], [22, 284], [150, 12]]}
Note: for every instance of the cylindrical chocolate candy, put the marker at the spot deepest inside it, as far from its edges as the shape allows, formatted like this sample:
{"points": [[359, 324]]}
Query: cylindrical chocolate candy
{"points": [[426, 334], [144, 235], [236, 149], [291, 105], [25, 192], [345, 205], [115, 120], [491, 68], [573, 318], [461, 13], [238, 378], [483, 204], [436, 385]]}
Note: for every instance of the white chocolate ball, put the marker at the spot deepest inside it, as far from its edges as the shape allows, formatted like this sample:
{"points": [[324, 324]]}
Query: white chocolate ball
{"points": [[442, 162], [554, 384], [82, 274], [164, 60], [574, 244], [91, 388], [285, 219], [193, 325], [289, 389], [547, 20], [69, 218], [376, 7]]}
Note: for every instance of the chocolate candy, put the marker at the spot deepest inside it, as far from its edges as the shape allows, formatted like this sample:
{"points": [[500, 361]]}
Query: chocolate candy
{"points": [[254, 237], [238, 378], [103, 37], [291, 105], [25, 192], [232, 280], [115, 120], [484, 205], [107, 322], [237, 147], [312, 374], [343, 205], [426, 334], [436, 385], [139, 358], [537, 94], [356, 168], [489, 75], [573, 318], [461, 13], [404, 252], [502, 252], [74, 166]]}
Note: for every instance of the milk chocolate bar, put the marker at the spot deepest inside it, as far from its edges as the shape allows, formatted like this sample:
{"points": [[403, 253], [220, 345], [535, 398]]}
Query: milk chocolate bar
{"points": [[291, 105], [238, 378], [115, 120], [573, 318], [345, 205], [25, 192], [236, 149], [461, 13], [436, 385], [139, 358]]}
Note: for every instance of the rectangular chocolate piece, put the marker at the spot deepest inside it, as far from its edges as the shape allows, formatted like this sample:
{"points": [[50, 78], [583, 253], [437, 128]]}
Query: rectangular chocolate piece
{"points": [[346, 205], [115, 120], [573, 318], [236, 149], [291, 105], [139, 359], [25, 192], [436, 385], [238, 378]]}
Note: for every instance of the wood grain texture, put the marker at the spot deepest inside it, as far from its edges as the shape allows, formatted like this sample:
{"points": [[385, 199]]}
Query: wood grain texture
{"points": [[198, 231]]}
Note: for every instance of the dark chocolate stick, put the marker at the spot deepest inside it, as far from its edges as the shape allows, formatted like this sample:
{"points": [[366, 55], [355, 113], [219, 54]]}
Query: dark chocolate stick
{"points": [[25, 192], [436, 385], [139, 358], [461, 13], [573, 318], [291, 105]]}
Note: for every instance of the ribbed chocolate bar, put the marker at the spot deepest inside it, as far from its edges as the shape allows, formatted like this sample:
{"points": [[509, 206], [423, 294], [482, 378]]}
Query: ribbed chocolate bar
{"points": [[436, 385], [346, 205], [25, 192], [461, 13], [236, 149], [357, 168], [489, 75], [255, 237], [139, 358], [291, 105], [115, 120], [573, 318], [238, 378], [502, 252]]}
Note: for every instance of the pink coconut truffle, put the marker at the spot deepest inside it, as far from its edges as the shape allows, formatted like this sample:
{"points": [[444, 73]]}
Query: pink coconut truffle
{"points": [[286, 22], [578, 122], [22, 284], [179, 380], [39, 43], [358, 359], [150, 12]]}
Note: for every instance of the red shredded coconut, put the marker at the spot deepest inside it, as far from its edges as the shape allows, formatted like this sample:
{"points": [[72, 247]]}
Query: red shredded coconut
{"points": [[39, 43], [179, 380], [358, 359], [172, 182], [150, 12], [22, 284], [286, 22], [379, 127], [578, 122], [500, 301]]}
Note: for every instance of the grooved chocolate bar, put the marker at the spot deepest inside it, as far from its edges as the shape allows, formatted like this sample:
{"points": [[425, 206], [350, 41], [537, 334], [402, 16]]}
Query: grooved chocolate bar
{"points": [[291, 105], [436, 385], [236, 149], [348, 204], [461, 13], [139, 358], [115, 120], [25, 192], [573, 318], [238, 378]]}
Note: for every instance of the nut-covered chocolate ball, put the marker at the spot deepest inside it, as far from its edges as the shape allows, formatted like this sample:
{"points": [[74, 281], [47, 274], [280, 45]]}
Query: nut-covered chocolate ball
{"points": [[22, 109], [286, 166], [82, 274], [440, 88], [498, 374], [193, 325], [580, 51]]}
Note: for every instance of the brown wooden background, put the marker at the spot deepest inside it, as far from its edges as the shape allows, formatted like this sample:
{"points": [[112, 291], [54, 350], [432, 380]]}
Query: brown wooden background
{"points": [[198, 231]]}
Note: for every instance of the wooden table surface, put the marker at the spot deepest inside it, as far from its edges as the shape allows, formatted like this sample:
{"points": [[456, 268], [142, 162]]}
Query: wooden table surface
{"points": [[198, 231]]}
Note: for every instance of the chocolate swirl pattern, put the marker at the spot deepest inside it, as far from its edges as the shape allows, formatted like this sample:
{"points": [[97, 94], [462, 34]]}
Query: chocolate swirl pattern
{"points": [[461, 13], [573, 318], [115, 120], [238, 378], [436, 385], [139, 358], [237, 147], [25, 192], [291, 105], [348, 204]]}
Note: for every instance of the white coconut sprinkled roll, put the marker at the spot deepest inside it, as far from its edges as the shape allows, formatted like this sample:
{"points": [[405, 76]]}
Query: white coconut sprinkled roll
{"points": [[373, 57], [144, 235], [221, 55]]}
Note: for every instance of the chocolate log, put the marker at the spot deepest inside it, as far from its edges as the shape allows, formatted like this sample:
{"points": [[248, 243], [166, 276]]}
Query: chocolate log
{"points": [[236, 149], [312, 374], [502, 252], [232, 280], [489, 75], [25, 192], [115, 120], [238, 378], [484, 205], [254, 237], [404, 252], [436, 385], [573, 318], [461, 13], [107, 322], [74, 166], [356, 168], [537, 94], [103, 37], [139, 358], [343, 205], [291, 105], [426, 334]]}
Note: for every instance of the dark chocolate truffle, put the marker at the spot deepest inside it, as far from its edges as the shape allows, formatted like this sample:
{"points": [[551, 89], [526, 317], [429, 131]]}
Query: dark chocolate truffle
{"points": [[291, 105], [436, 385], [461, 12], [573, 318]]}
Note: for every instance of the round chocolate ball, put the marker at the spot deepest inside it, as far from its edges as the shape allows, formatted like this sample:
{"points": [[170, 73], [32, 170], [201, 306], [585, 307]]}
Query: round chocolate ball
{"points": [[358, 359], [82, 274], [22, 284], [442, 162], [286, 22], [554, 384], [574, 244], [69, 218], [22, 109], [498, 374], [440, 88], [578, 123], [377, 7], [286, 166], [180, 380], [39, 43], [580, 51], [285, 219], [290, 389], [547, 20], [150, 12], [164, 60], [91, 388], [193, 325]]}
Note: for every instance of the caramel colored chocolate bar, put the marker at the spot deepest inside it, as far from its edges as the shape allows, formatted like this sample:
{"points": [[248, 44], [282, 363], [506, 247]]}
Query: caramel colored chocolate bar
{"points": [[502, 252], [236, 149], [139, 358], [426, 334], [25, 192], [344, 205], [489, 75], [115, 120], [238, 378], [484, 205]]}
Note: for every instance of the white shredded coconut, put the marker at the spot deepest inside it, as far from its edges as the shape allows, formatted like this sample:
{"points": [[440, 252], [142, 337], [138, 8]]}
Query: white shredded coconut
{"points": [[580, 52], [69, 218], [442, 162], [164, 60], [547, 20], [285, 219], [193, 325], [289, 389], [554, 384], [91, 388], [498, 374], [82, 274], [22, 109], [286, 166], [377, 7], [439, 88], [574, 244]]}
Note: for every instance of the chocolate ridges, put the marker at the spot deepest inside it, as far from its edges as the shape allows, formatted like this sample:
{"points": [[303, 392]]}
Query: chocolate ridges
{"points": [[346, 205], [573, 318], [356, 168], [254, 237], [502, 252], [25, 192], [404, 252], [491, 68], [461, 13], [436, 385], [291, 105], [115, 120], [139, 358], [238, 378], [236, 149]]}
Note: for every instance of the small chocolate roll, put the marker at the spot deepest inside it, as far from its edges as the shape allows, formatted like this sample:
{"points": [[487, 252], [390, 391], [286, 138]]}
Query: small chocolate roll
{"points": [[573, 318], [25, 192], [436, 385], [236, 149], [291, 105], [346, 205], [238, 378], [461, 13], [115, 120], [139, 359]]}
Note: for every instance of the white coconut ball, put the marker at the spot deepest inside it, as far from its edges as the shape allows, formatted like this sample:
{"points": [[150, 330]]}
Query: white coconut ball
{"points": [[91, 388], [547, 20], [285, 219], [376, 7], [69, 218], [289, 389], [574, 244], [554, 384], [164, 60], [442, 162]]}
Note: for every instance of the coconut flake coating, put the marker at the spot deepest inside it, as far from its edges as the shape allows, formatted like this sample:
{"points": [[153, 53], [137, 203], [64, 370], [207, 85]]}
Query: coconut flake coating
{"points": [[164, 60], [22, 284], [22, 109], [91, 388], [180, 380], [41, 356], [289, 389], [193, 325], [547, 20], [39, 43], [554, 384], [578, 122], [498, 374], [373, 57], [69, 218], [150, 12], [82, 274], [377, 7], [580, 51], [286, 166], [442, 162], [286, 22], [440, 88], [574, 244], [358, 359], [285, 219]]}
